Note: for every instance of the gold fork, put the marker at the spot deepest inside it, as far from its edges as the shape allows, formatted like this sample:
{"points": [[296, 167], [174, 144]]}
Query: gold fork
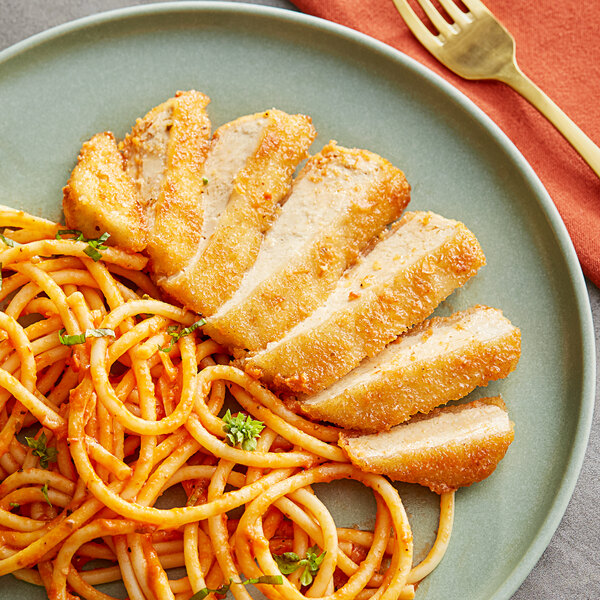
{"points": [[477, 46]]}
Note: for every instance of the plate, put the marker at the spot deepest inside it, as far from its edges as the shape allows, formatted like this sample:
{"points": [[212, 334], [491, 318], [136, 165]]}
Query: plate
{"points": [[60, 87]]}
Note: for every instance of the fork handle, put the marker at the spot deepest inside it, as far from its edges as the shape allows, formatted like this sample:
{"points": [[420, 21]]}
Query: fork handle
{"points": [[514, 77]]}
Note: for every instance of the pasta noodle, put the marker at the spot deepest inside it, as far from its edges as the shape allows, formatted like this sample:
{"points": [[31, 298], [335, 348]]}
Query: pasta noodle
{"points": [[110, 397]]}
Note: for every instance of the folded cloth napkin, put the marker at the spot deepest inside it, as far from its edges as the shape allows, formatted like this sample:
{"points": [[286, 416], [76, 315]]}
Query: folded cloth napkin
{"points": [[557, 46]]}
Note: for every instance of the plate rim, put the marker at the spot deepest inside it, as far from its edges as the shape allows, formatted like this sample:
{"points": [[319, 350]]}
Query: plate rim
{"points": [[573, 465]]}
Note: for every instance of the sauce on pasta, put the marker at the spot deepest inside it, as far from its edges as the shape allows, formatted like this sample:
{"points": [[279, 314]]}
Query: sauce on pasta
{"points": [[109, 396]]}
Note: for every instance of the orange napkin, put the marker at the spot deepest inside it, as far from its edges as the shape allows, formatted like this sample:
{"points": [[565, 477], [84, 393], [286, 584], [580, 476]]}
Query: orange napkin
{"points": [[558, 47]]}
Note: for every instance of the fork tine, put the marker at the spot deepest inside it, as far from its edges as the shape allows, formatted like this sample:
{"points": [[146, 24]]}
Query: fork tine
{"points": [[436, 18], [428, 39], [455, 13], [476, 7]]}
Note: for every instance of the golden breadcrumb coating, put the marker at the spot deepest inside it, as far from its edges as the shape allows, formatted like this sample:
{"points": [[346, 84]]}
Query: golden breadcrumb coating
{"points": [[424, 368], [467, 444], [315, 358], [258, 189], [171, 142], [100, 197], [375, 193]]}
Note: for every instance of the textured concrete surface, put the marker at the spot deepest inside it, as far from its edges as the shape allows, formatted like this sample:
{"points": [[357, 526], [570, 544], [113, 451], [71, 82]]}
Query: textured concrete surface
{"points": [[570, 566]]}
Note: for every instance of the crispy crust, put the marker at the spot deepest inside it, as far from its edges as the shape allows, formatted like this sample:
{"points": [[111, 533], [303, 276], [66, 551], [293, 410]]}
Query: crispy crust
{"points": [[179, 202], [181, 199], [290, 295], [259, 188], [391, 396], [441, 468], [313, 360], [100, 197]]}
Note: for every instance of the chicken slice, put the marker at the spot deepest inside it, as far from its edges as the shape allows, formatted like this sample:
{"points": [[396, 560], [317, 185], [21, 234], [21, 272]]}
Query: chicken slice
{"points": [[339, 202], [248, 173], [398, 284], [198, 206], [100, 197], [165, 154], [451, 447], [442, 359]]}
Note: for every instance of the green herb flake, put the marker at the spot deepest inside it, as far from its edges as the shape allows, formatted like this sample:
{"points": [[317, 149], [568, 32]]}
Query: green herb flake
{"points": [[40, 449], [201, 594], [288, 562], [266, 579], [45, 493], [79, 338], [205, 180], [15, 505], [263, 579], [176, 335], [10, 243], [314, 559], [75, 232], [242, 430], [93, 246], [93, 253], [194, 496]]}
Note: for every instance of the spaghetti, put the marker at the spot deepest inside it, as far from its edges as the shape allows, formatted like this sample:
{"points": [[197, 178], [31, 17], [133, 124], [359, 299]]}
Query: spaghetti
{"points": [[109, 397]]}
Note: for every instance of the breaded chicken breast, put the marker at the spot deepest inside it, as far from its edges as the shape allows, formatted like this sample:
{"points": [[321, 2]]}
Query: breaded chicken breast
{"points": [[451, 447], [396, 285], [440, 360], [164, 155], [100, 197], [199, 206], [248, 173], [303, 279], [341, 200]]}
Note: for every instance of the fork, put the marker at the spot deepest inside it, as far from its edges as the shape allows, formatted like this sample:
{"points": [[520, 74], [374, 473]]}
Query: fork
{"points": [[477, 46]]}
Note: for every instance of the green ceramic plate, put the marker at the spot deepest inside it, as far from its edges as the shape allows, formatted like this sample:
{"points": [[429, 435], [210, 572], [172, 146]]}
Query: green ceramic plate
{"points": [[60, 87]]}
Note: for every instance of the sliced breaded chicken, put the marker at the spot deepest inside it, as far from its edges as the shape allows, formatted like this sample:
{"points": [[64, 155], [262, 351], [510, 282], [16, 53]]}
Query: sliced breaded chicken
{"points": [[100, 197], [205, 204], [451, 447], [340, 201], [248, 173], [398, 284], [165, 155], [442, 359]]}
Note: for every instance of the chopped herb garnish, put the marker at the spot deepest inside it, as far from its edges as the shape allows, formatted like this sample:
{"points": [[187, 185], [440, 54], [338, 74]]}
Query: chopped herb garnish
{"points": [[288, 562], [242, 430], [15, 505], [205, 180], [45, 493], [75, 232], [93, 246], [45, 454], [195, 496], [10, 243], [268, 579], [176, 335], [79, 338], [201, 594]]}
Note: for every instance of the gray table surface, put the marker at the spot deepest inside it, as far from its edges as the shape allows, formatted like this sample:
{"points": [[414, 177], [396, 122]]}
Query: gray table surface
{"points": [[570, 566]]}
